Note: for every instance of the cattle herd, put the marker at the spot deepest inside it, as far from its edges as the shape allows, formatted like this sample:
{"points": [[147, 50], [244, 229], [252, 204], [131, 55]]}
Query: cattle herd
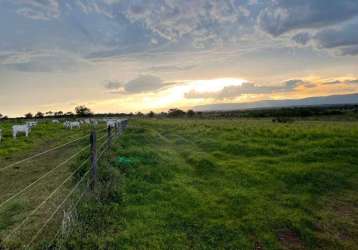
{"points": [[74, 124]]}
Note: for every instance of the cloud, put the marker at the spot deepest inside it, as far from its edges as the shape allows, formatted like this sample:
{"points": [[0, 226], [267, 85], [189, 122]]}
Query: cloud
{"points": [[42, 61], [342, 39], [144, 83], [112, 85], [37, 9], [350, 81], [201, 23], [139, 85], [349, 51], [104, 28], [302, 38], [230, 92], [170, 68], [287, 15], [337, 37]]}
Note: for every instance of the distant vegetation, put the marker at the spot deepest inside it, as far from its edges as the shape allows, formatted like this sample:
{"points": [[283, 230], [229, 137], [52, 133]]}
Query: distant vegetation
{"points": [[340, 112], [328, 111]]}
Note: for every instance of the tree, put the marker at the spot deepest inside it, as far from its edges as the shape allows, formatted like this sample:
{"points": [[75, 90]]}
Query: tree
{"points": [[69, 114], [58, 114], [83, 111], [190, 113], [49, 113], [151, 114], [1, 116], [176, 112], [28, 116], [39, 115]]}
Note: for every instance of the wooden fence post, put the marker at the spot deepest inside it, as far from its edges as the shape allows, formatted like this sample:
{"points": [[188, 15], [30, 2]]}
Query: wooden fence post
{"points": [[93, 139], [109, 136], [116, 132]]}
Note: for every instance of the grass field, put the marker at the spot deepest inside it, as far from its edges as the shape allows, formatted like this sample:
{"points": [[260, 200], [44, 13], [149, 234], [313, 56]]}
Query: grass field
{"points": [[14, 179], [204, 184], [228, 184]]}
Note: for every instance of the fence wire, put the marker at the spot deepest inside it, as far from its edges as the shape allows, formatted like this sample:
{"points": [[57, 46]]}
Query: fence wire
{"points": [[52, 194]]}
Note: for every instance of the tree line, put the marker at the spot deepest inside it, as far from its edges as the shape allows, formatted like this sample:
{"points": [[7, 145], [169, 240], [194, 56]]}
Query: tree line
{"points": [[328, 110], [83, 111]]}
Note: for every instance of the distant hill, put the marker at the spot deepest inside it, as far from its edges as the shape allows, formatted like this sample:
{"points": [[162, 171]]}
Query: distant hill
{"points": [[311, 101]]}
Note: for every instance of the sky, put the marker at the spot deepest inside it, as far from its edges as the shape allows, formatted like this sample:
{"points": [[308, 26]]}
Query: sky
{"points": [[142, 55]]}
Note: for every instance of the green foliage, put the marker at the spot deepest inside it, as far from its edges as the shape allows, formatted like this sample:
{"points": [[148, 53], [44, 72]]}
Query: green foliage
{"points": [[39, 115], [190, 113], [28, 116], [83, 111], [175, 112]]}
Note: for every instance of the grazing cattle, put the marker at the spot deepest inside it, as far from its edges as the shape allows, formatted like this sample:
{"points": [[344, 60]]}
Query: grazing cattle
{"points": [[31, 124], [120, 123], [124, 123], [21, 129], [55, 121], [72, 125], [111, 123], [94, 122], [66, 124]]}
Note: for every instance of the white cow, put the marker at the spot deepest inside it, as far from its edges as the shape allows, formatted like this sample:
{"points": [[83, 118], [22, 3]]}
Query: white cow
{"points": [[55, 121], [72, 125], [111, 123], [21, 129], [31, 124], [94, 122], [75, 125], [66, 124]]}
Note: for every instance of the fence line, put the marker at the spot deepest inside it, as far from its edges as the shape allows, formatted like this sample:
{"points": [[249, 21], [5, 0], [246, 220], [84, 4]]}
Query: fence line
{"points": [[45, 152], [119, 128], [45, 175], [42, 177], [42, 153], [57, 209], [44, 202], [78, 200]]}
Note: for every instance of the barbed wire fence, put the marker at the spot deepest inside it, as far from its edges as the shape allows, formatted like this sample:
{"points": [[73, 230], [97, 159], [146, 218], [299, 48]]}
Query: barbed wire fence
{"points": [[89, 176]]}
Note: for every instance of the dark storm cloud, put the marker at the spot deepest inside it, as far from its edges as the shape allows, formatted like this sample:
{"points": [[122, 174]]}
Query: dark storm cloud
{"points": [[287, 15], [349, 51], [343, 38]]}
